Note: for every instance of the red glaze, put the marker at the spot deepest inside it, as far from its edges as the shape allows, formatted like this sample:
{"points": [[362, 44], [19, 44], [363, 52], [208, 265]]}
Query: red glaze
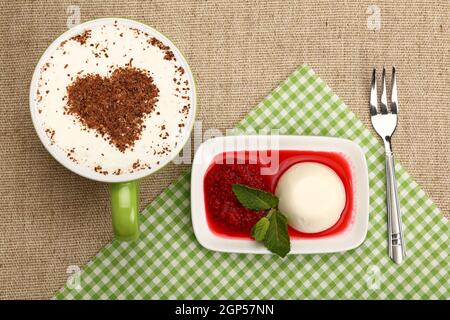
{"points": [[227, 217]]}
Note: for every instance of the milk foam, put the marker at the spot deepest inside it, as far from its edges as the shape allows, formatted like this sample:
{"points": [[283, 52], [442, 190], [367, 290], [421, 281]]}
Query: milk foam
{"points": [[108, 47]]}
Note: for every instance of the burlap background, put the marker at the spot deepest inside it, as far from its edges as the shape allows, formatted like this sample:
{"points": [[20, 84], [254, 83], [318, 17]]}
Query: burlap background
{"points": [[51, 218]]}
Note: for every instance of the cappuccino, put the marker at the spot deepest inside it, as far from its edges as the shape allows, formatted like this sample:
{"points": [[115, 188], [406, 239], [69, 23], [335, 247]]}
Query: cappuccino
{"points": [[114, 99]]}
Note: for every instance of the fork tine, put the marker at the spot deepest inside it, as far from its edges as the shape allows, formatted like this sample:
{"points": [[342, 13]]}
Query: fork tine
{"points": [[373, 95], [383, 94], [394, 101]]}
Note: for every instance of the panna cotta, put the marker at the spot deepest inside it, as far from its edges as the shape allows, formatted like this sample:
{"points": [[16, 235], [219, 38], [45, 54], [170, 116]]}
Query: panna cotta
{"points": [[312, 196]]}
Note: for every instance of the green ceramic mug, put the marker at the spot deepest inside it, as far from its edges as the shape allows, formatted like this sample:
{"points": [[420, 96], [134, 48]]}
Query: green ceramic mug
{"points": [[124, 187]]}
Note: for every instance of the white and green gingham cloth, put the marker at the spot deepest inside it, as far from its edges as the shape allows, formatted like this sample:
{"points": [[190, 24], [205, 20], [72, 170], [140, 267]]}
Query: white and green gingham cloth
{"points": [[167, 262]]}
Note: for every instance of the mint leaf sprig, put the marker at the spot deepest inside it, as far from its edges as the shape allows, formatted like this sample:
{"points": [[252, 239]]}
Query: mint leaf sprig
{"points": [[271, 230]]}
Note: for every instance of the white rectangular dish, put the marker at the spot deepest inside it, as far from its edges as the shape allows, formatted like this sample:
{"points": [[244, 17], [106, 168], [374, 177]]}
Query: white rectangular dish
{"points": [[349, 239]]}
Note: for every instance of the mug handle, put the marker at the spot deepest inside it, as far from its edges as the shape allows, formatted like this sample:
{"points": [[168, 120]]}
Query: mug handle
{"points": [[125, 208]]}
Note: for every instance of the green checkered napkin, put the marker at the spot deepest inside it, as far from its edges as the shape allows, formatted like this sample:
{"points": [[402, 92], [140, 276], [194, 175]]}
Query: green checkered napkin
{"points": [[167, 262]]}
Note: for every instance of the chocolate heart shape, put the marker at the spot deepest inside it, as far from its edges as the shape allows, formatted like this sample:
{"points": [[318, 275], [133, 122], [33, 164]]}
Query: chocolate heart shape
{"points": [[114, 106]]}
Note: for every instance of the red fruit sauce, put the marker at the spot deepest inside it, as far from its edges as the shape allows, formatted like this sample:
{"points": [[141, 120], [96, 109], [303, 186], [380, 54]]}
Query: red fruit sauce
{"points": [[227, 217]]}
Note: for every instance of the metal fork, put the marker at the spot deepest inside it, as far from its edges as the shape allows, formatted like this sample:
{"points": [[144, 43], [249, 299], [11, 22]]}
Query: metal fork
{"points": [[384, 123]]}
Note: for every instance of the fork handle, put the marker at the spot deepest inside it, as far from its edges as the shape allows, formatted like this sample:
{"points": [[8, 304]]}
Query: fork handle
{"points": [[396, 243]]}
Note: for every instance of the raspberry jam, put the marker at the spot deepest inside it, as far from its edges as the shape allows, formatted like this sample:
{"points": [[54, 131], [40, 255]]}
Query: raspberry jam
{"points": [[227, 217]]}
